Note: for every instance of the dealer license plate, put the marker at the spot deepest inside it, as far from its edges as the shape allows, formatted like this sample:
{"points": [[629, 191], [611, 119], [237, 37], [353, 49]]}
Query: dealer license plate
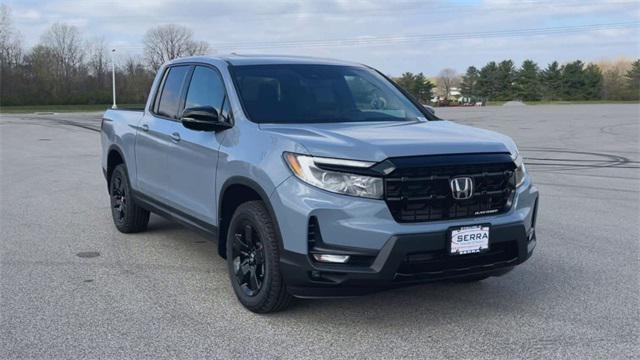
{"points": [[469, 239]]}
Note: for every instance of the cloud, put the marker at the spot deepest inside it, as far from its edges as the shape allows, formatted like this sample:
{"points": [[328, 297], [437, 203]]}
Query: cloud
{"points": [[28, 15], [123, 24]]}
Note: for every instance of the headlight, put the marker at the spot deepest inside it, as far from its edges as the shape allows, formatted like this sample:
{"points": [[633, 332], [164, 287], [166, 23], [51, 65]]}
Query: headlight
{"points": [[521, 171], [306, 169]]}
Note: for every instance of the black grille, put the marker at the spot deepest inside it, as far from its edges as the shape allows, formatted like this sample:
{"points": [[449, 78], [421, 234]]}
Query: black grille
{"points": [[440, 263], [419, 188], [313, 233]]}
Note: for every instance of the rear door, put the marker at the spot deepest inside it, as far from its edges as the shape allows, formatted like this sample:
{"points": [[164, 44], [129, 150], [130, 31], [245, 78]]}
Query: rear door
{"points": [[153, 140], [194, 156]]}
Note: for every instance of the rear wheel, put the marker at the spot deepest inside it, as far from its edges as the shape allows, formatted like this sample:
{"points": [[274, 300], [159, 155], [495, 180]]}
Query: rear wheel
{"points": [[253, 260], [127, 215]]}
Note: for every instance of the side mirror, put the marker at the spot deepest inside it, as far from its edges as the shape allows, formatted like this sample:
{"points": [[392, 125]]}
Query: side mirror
{"points": [[430, 109], [203, 118]]}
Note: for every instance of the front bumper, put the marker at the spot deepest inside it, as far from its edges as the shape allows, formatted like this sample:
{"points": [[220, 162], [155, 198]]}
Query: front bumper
{"points": [[406, 260], [390, 254]]}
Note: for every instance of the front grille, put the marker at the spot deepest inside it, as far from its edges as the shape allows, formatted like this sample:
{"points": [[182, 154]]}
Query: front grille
{"points": [[438, 263], [419, 189]]}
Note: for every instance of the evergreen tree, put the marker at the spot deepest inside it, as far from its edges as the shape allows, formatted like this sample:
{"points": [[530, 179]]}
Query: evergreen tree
{"points": [[633, 80], [417, 85], [592, 89], [405, 81], [469, 85], [487, 81], [505, 79], [424, 88], [527, 82], [573, 81], [552, 81]]}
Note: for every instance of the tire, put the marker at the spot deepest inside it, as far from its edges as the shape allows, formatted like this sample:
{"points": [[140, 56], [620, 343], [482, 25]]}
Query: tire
{"points": [[253, 260], [128, 217]]}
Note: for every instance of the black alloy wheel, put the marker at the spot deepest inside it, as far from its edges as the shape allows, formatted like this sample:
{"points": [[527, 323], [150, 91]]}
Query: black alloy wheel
{"points": [[248, 258], [118, 197], [128, 216], [253, 259]]}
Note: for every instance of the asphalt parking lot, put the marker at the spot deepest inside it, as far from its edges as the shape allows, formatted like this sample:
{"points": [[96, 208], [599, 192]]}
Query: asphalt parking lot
{"points": [[73, 287]]}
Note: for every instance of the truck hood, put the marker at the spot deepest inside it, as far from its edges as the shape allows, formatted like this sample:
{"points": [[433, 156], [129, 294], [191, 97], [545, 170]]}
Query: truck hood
{"points": [[376, 141]]}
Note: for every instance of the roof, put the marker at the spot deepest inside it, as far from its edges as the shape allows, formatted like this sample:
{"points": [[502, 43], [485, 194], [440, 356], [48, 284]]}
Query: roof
{"points": [[237, 59]]}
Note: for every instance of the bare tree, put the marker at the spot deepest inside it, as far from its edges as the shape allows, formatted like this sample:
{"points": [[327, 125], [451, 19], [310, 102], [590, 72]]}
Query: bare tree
{"points": [[66, 45], [167, 42], [97, 60], [137, 80], [10, 39], [447, 79], [5, 23], [613, 80]]}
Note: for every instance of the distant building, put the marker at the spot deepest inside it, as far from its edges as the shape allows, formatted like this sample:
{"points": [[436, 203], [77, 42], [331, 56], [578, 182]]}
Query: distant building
{"points": [[454, 95]]}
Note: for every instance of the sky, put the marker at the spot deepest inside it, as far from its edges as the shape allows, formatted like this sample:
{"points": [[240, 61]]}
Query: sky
{"points": [[393, 36]]}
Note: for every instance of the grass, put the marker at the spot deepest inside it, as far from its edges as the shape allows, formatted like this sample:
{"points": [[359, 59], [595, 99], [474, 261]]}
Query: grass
{"points": [[62, 108], [568, 102]]}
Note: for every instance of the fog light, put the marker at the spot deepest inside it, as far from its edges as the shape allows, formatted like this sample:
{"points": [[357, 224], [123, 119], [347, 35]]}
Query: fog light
{"points": [[341, 259]]}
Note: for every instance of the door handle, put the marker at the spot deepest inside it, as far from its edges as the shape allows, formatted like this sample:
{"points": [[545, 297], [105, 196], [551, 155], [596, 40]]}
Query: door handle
{"points": [[175, 137], [144, 127]]}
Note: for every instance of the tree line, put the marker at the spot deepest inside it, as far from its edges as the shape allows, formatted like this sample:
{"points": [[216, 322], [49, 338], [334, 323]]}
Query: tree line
{"points": [[572, 81], [606, 80], [64, 68]]}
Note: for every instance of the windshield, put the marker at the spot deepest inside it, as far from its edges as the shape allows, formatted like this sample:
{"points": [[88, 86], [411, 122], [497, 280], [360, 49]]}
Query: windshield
{"points": [[298, 93]]}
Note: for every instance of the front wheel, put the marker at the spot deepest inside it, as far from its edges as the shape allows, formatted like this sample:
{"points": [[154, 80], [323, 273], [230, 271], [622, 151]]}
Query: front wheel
{"points": [[253, 260]]}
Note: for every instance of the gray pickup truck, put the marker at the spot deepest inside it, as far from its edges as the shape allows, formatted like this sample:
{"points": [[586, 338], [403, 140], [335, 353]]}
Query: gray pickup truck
{"points": [[318, 178]]}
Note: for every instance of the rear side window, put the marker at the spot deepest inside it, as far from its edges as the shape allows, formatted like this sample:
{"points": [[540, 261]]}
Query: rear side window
{"points": [[206, 89], [170, 97]]}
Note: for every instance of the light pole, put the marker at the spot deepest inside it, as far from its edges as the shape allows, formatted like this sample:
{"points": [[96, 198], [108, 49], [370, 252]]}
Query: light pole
{"points": [[113, 77]]}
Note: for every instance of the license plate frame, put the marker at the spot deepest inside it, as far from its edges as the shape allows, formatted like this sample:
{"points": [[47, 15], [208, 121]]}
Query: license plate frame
{"points": [[455, 248]]}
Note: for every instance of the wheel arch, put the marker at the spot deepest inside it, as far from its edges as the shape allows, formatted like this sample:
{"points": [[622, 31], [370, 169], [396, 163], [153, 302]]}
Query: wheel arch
{"points": [[235, 191], [115, 156]]}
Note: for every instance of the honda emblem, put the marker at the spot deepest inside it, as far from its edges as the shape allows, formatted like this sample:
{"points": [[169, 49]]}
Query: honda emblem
{"points": [[462, 188]]}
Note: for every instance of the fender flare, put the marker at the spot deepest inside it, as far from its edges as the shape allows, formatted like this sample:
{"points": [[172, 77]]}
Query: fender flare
{"points": [[245, 181], [116, 148]]}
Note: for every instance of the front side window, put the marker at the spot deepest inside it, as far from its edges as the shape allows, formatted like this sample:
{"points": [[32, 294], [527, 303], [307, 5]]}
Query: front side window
{"points": [[206, 89], [171, 91], [299, 93]]}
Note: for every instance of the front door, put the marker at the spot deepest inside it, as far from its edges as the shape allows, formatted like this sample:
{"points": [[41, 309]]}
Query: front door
{"points": [[194, 156]]}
